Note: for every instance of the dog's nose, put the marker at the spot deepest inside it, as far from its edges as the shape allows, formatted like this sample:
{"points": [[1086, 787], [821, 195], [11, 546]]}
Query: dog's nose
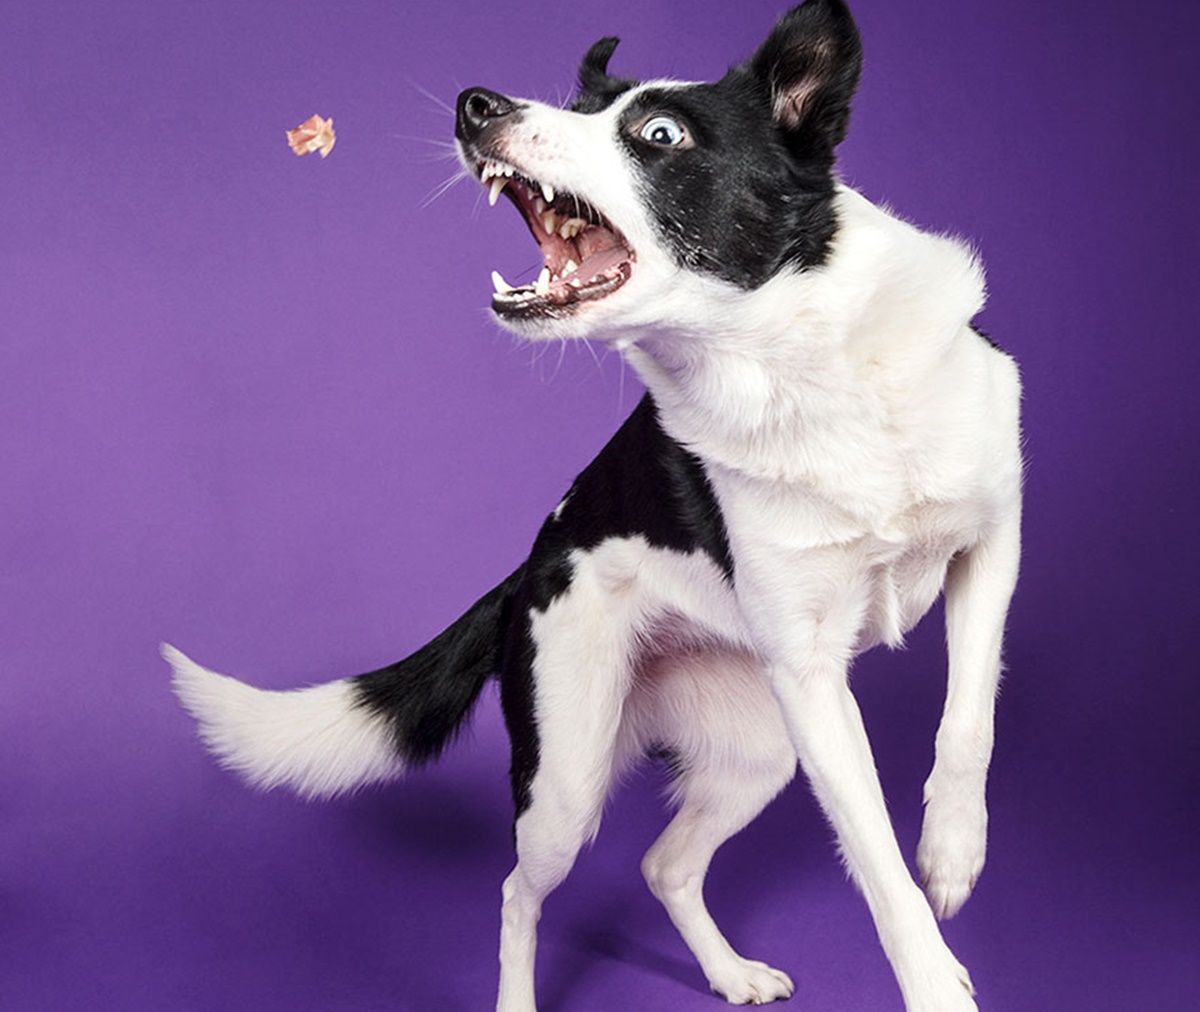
{"points": [[477, 109]]}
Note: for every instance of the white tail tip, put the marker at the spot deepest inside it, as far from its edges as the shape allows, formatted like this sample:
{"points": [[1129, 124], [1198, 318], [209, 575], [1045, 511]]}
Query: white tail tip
{"points": [[315, 740]]}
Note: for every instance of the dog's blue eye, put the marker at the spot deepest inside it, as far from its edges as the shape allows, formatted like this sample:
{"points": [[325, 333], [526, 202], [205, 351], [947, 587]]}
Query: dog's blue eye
{"points": [[664, 131]]}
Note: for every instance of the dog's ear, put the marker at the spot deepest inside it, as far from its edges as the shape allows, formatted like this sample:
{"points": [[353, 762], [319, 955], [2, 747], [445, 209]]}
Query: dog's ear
{"points": [[598, 88], [593, 71], [810, 66]]}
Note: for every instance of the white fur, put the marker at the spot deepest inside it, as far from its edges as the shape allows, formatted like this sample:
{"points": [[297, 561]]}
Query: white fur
{"points": [[862, 441], [646, 649], [312, 740]]}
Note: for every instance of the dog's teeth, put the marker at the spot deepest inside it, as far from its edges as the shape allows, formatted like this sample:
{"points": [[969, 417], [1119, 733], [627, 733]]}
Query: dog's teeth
{"points": [[501, 286], [548, 192], [550, 222], [572, 227], [498, 185], [539, 205], [570, 267], [542, 287]]}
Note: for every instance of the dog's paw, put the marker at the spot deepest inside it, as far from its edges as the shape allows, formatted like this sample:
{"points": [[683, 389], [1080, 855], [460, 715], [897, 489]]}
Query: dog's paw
{"points": [[951, 854], [953, 997], [747, 982], [950, 991]]}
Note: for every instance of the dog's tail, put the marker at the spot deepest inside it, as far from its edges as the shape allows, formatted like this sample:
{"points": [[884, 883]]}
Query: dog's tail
{"points": [[342, 735]]}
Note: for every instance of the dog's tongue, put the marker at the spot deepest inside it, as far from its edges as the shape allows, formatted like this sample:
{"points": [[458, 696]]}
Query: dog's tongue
{"points": [[597, 263]]}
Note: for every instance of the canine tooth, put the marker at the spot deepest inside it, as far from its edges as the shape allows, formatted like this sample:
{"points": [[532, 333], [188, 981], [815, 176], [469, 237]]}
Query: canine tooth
{"points": [[501, 286], [542, 287], [539, 205], [570, 267], [498, 185], [548, 192], [550, 222]]}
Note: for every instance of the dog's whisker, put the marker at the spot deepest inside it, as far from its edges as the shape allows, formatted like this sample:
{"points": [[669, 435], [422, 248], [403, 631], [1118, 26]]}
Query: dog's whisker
{"points": [[442, 105], [442, 188]]}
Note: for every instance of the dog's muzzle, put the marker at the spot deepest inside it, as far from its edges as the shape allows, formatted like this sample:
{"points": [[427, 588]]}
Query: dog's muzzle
{"points": [[586, 258]]}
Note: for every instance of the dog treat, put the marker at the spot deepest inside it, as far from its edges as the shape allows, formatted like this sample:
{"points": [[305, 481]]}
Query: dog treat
{"points": [[314, 134]]}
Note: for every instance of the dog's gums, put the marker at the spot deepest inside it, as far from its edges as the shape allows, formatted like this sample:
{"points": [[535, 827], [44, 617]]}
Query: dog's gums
{"points": [[585, 256]]}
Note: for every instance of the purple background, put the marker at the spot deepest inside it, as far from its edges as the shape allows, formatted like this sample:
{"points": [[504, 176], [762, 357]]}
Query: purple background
{"points": [[251, 404]]}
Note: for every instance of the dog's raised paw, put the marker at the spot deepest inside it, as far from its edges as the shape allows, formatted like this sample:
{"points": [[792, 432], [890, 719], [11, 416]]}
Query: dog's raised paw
{"points": [[950, 856], [748, 982]]}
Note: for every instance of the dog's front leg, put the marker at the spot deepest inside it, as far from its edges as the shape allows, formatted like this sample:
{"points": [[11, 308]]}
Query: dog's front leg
{"points": [[979, 586], [827, 730], [807, 633]]}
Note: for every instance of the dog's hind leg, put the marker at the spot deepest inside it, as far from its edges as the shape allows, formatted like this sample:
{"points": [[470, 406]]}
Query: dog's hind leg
{"points": [[578, 653], [734, 757]]}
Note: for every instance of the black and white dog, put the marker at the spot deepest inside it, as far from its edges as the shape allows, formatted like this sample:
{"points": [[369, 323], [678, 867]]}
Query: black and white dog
{"points": [[825, 445]]}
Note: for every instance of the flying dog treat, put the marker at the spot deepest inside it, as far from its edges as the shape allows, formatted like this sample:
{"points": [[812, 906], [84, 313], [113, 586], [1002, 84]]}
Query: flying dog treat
{"points": [[314, 134]]}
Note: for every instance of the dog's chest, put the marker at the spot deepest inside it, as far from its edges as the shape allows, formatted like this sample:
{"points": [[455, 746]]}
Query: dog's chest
{"points": [[795, 550]]}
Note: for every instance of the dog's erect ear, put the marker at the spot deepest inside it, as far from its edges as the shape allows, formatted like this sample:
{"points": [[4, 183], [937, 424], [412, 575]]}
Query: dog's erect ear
{"points": [[593, 71], [810, 65], [597, 87]]}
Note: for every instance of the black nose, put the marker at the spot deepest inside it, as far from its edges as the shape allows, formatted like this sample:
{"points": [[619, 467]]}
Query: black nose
{"points": [[477, 109]]}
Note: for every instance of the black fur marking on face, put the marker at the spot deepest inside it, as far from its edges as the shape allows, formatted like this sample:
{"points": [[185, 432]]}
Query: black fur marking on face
{"points": [[642, 484], [752, 191], [734, 203]]}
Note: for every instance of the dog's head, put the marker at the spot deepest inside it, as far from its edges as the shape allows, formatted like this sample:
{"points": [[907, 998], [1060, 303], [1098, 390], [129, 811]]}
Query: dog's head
{"points": [[641, 189]]}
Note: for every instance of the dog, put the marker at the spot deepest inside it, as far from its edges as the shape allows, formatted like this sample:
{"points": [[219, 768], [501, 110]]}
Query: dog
{"points": [[826, 444]]}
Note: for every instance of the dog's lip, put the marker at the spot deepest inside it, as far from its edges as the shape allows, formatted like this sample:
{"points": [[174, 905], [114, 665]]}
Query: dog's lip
{"points": [[585, 256]]}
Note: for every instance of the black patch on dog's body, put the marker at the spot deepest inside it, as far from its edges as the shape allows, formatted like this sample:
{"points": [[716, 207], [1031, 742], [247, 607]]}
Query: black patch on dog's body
{"points": [[990, 340], [642, 484]]}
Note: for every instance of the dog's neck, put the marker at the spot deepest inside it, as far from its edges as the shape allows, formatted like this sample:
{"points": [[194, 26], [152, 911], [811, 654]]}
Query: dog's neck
{"points": [[797, 379]]}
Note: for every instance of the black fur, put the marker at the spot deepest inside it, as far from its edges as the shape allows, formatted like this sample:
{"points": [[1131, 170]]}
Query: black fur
{"points": [[643, 483], [989, 339], [427, 696], [753, 191], [597, 88]]}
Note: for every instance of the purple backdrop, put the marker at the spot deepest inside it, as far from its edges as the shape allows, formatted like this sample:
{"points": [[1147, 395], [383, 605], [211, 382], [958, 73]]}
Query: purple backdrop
{"points": [[251, 404]]}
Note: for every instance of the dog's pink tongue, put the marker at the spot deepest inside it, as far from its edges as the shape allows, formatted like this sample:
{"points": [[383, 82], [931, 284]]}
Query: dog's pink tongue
{"points": [[602, 261]]}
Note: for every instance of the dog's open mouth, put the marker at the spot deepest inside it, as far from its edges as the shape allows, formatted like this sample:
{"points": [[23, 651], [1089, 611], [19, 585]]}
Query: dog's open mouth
{"points": [[586, 257]]}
